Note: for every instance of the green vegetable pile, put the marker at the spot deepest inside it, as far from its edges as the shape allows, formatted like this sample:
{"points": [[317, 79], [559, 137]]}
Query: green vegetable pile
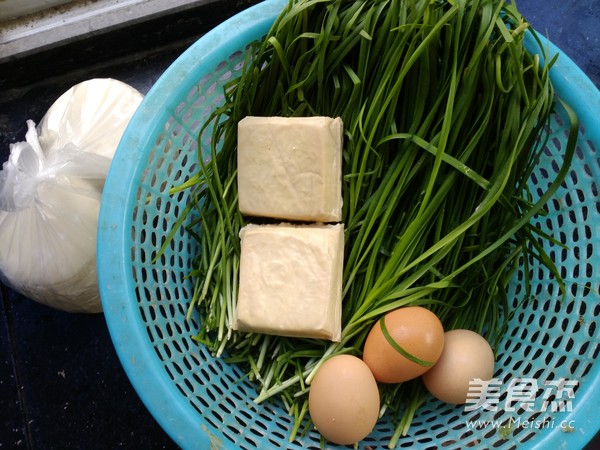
{"points": [[445, 117]]}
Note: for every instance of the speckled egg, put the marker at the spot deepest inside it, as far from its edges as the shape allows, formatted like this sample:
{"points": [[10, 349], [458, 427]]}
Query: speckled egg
{"points": [[344, 400]]}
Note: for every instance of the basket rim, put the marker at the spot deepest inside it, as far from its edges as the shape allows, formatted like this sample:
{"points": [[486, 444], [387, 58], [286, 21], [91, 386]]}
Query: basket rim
{"points": [[137, 357]]}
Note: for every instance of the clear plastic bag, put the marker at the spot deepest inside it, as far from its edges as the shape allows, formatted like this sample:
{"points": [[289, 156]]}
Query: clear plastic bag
{"points": [[50, 192]]}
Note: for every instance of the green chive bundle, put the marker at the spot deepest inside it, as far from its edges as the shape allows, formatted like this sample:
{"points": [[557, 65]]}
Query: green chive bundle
{"points": [[444, 114]]}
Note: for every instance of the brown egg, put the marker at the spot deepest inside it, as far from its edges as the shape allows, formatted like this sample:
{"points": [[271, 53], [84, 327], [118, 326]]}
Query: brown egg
{"points": [[466, 357], [343, 400], [416, 333]]}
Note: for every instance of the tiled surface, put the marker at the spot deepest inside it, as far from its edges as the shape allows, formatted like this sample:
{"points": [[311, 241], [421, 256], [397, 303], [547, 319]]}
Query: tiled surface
{"points": [[61, 384]]}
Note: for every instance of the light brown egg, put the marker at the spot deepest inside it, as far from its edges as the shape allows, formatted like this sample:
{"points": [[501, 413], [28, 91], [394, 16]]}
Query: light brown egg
{"points": [[344, 400], [466, 357], [417, 332]]}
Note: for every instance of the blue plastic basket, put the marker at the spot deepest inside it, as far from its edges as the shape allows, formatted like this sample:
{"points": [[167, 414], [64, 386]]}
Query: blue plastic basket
{"points": [[203, 403]]}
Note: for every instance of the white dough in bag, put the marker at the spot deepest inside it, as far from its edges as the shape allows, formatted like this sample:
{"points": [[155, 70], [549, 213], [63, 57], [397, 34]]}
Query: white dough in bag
{"points": [[50, 191]]}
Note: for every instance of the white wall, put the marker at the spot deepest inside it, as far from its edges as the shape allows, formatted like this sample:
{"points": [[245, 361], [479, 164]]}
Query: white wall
{"points": [[11, 9], [74, 20]]}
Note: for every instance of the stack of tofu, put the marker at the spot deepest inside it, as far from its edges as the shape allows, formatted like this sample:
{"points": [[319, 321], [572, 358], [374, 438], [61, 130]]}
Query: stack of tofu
{"points": [[292, 251]]}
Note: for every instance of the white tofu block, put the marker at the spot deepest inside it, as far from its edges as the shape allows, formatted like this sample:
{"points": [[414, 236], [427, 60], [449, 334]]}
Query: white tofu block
{"points": [[291, 280], [290, 168]]}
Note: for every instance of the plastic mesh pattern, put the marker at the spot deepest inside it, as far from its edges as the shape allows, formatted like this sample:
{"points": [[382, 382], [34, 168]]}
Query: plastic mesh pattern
{"points": [[551, 339]]}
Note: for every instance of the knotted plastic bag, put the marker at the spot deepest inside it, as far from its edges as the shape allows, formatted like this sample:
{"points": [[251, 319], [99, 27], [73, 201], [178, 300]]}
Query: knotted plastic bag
{"points": [[50, 193]]}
